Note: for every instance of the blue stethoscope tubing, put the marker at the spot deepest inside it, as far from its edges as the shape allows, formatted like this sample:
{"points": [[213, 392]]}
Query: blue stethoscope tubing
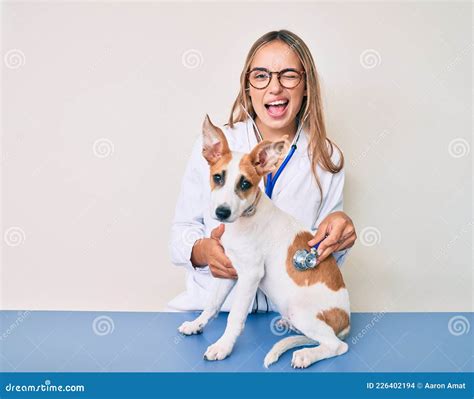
{"points": [[272, 180]]}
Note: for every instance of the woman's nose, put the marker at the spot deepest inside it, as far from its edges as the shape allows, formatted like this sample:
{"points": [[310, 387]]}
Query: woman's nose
{"points": [[274, 86]]}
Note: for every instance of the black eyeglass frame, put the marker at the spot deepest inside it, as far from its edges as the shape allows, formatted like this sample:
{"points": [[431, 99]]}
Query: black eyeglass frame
{"points": [[278, 73]]}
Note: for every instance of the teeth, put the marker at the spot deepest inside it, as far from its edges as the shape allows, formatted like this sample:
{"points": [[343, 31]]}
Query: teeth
{"points": [[279, 102]]}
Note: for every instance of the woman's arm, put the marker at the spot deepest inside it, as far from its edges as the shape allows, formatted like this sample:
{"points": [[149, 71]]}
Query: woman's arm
{"points": [[334, 223], [188, 223]]}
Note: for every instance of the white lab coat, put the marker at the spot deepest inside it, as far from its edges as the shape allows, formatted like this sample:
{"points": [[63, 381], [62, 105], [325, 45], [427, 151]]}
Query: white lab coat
{"points": [[296, 192]]}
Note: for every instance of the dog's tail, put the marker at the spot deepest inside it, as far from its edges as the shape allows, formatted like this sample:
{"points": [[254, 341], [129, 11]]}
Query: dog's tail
{"points": [[282, 346]]}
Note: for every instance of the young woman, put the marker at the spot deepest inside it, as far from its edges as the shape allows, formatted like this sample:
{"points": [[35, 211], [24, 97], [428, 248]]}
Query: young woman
{"points": [[279, 95]]}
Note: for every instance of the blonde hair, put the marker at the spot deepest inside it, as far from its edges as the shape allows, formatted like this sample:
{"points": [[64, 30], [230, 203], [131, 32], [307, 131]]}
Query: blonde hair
{"points": [[320, 148]]}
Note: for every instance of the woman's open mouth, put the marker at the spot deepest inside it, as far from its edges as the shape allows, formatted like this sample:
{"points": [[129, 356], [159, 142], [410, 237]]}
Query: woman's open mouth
{"points": [[276, 109]]}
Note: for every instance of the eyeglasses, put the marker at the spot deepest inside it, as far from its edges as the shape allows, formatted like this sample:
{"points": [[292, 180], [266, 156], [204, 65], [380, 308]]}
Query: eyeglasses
{"points": [[260, 78]]}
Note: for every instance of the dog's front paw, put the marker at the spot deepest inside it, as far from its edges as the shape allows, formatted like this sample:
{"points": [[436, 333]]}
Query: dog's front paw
{"points": [[191, 327], [218, 351], [301, 359]]}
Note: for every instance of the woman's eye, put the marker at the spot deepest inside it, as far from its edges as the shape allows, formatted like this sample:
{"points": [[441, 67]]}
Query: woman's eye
{"points": [[260, 75], [290, 76], [245, 185]]}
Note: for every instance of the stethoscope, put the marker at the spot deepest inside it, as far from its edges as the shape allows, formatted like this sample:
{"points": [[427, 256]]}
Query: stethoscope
{"points": [[302, 259]]}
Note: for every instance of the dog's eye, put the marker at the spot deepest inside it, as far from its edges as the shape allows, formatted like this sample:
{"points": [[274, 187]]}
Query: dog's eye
{"points": [[245, 184], [218, 179]]}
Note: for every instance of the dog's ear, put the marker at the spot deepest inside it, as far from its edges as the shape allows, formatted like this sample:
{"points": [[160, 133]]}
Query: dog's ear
{"points": [[267, 155], [214, 143]]}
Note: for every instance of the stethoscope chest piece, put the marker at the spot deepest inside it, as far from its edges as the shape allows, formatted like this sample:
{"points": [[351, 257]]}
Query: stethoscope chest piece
{"points": [[304, 259]]}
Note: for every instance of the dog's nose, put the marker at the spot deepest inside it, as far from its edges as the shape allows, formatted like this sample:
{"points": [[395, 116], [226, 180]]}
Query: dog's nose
{"points": [[222, 212]]}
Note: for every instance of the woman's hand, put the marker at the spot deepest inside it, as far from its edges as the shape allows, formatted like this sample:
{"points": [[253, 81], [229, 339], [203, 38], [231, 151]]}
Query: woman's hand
{"points": [[340, 232], [209, 251]]}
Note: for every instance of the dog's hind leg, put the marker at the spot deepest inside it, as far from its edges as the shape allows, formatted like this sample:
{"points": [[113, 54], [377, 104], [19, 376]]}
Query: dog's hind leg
{"points": [[219, 293], [329, 344]]}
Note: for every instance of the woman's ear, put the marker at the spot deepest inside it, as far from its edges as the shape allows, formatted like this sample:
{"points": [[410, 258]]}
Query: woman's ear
{"points": [[214, 143], [267, 155]]}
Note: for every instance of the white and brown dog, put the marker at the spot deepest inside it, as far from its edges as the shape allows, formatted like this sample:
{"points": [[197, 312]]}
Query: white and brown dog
{"points": [[260, 240]]}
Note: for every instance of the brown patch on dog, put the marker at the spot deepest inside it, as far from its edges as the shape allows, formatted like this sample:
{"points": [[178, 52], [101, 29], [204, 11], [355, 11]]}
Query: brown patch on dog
{"points": [[326, 272], [248, 170], [219, 166], [336, 318]]}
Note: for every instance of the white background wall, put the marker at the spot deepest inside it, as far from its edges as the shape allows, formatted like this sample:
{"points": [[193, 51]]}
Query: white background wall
{"points": [[101, 103]]}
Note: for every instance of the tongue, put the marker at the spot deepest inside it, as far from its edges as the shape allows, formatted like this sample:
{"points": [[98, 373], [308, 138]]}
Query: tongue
{"points": [[276, 110]]}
